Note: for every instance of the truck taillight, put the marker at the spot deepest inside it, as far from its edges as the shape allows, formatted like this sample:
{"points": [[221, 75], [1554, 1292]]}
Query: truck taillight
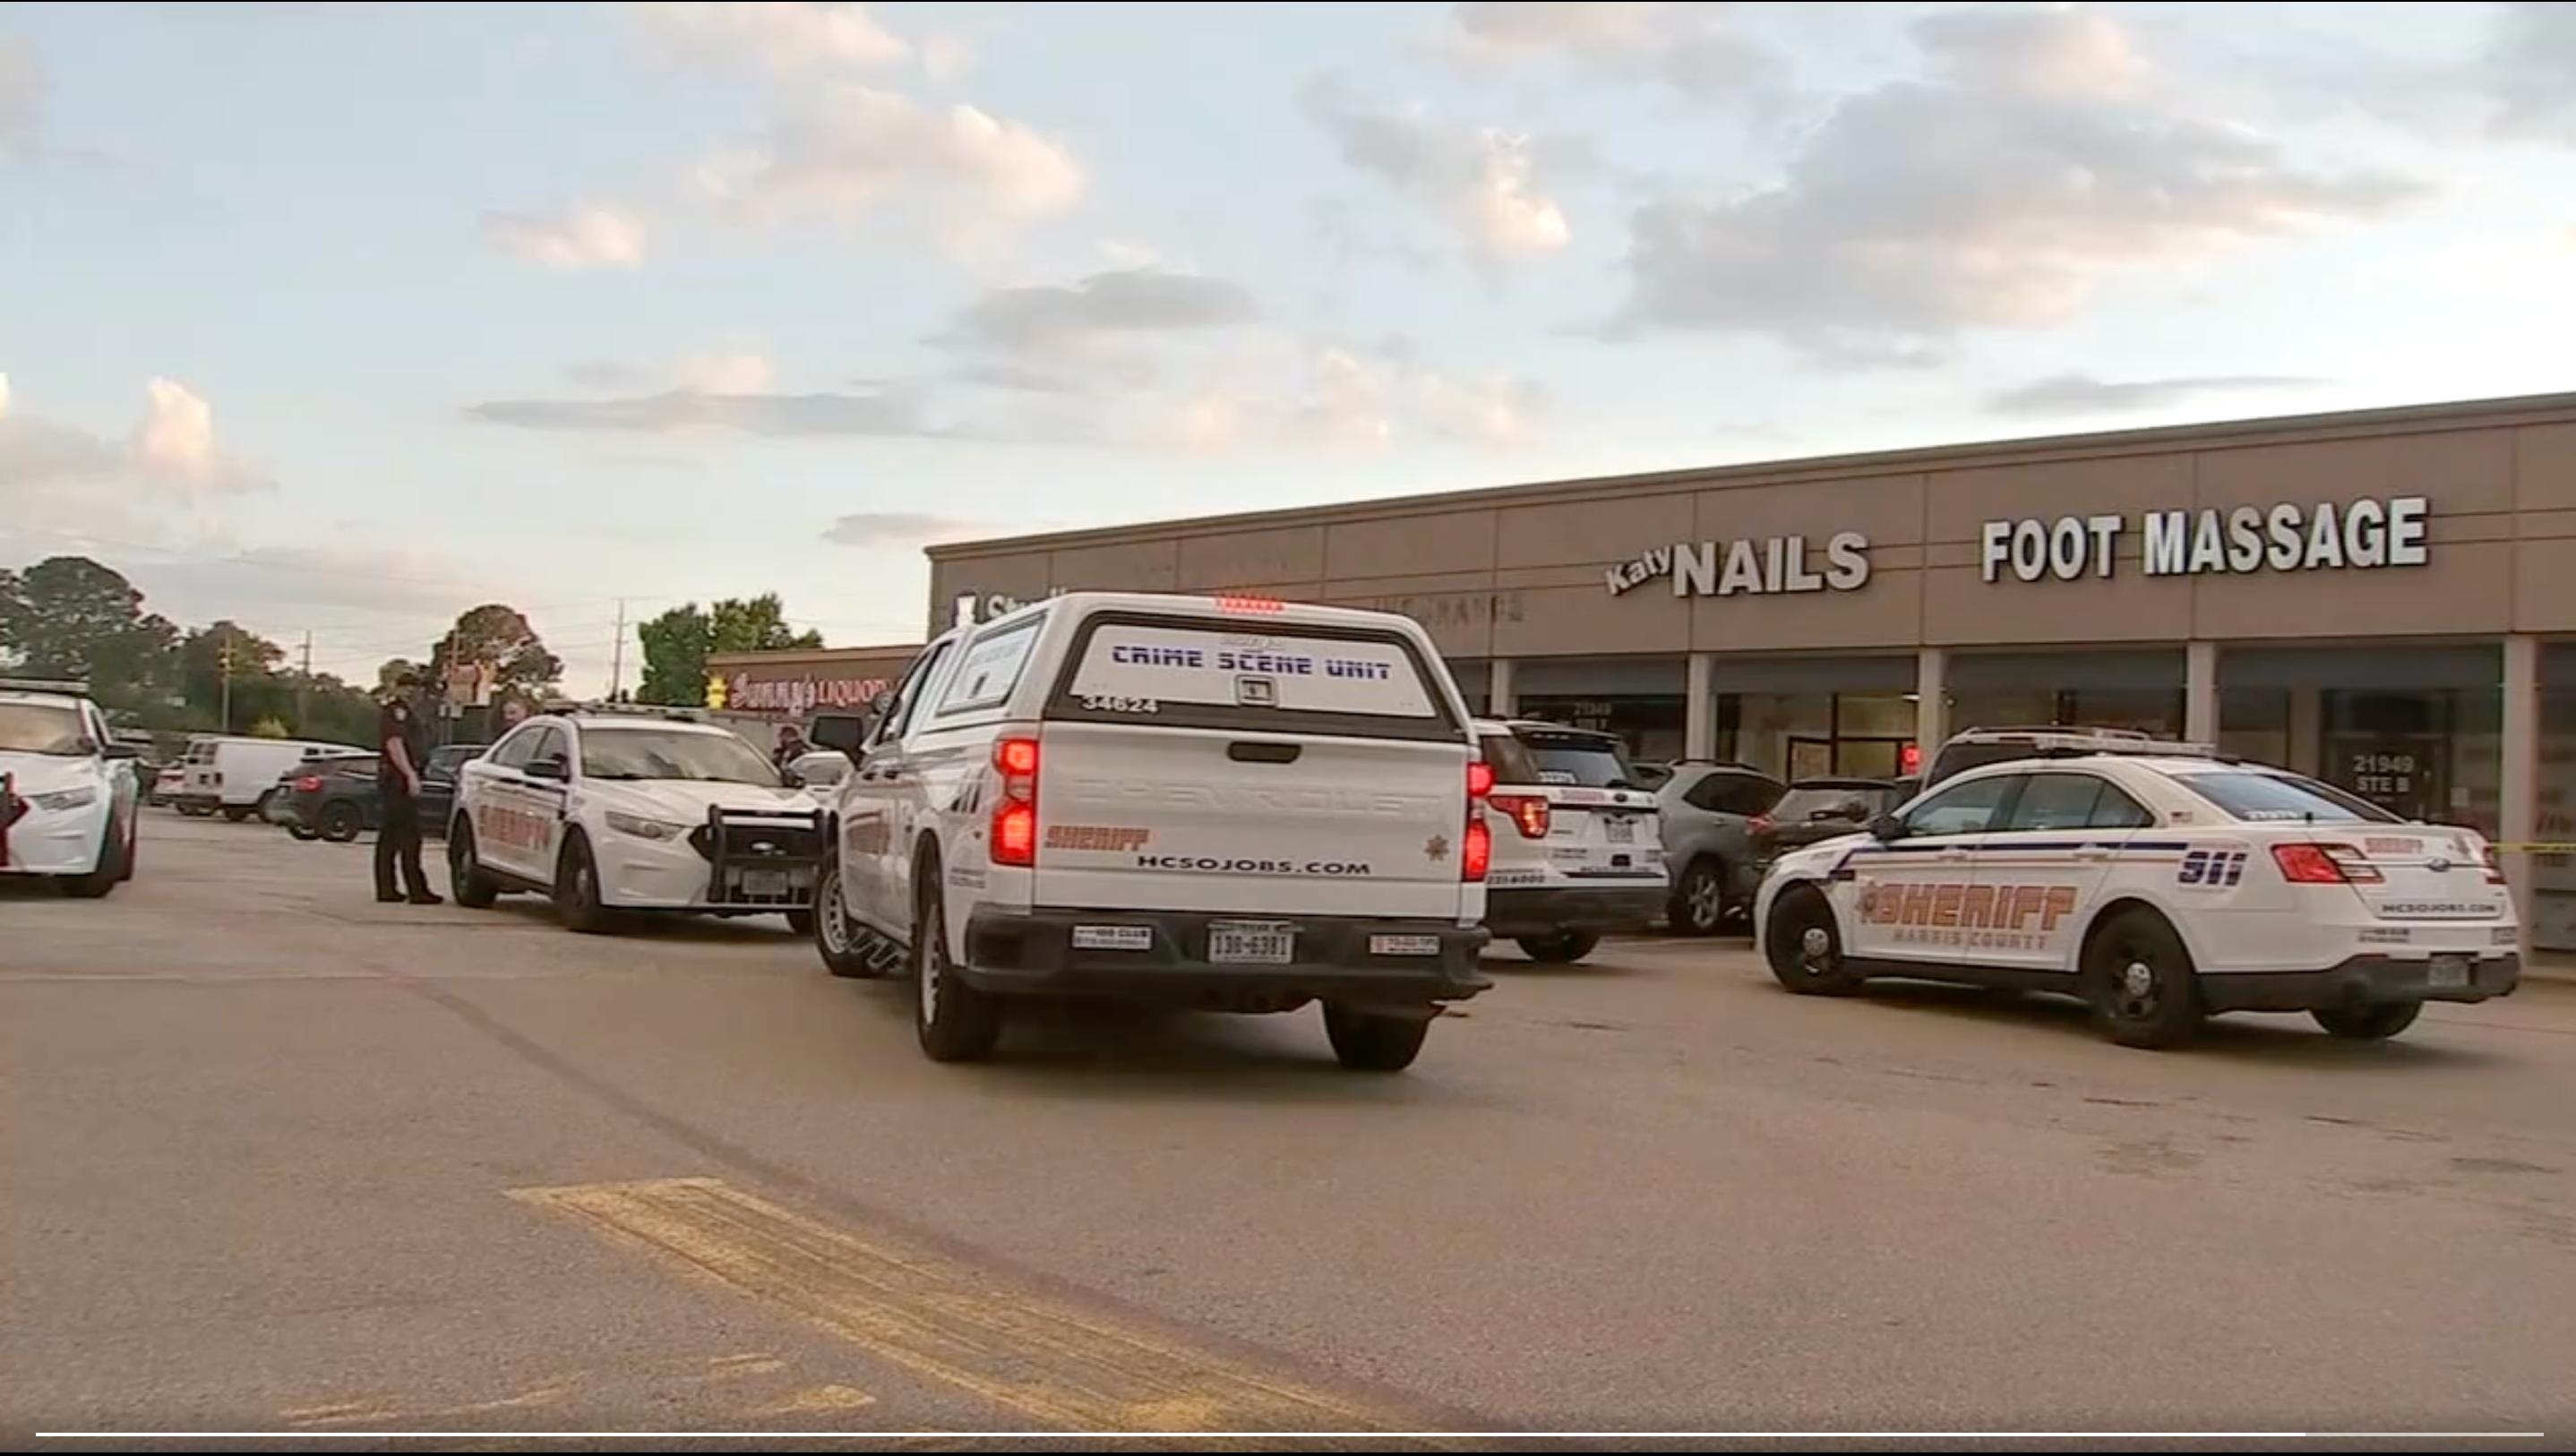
{"points": [[309, 784], [2324, 864], [1015, 814], [1759, 824], [1530, 812], [1476, 841]]}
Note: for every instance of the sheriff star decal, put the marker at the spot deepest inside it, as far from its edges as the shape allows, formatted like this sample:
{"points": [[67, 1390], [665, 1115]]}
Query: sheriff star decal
{"points": [[1436, 848]]}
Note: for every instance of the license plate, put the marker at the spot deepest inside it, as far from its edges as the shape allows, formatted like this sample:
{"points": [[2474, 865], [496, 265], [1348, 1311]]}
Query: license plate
{"points": [[1621, 831], [764, 884], [2448, 973], [1251, 943]]}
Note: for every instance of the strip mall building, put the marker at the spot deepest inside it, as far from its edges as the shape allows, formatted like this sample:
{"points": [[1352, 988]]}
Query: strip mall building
{"points": [[2379, 598]]}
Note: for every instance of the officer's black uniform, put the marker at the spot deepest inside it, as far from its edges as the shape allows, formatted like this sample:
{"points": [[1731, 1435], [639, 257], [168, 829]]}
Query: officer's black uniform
{"points": [[398, 841]]}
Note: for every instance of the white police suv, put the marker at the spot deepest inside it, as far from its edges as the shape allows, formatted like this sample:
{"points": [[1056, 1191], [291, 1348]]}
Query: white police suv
{"points": [[2161, 887], [606, 811], [69, 799], [1578, 847]]}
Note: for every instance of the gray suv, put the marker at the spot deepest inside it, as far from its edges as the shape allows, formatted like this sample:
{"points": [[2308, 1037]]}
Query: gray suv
{"points": [[1708, 809]]}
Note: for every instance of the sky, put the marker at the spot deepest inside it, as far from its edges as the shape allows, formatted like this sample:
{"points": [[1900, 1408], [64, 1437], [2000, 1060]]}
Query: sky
{"points": [[340, 318]]}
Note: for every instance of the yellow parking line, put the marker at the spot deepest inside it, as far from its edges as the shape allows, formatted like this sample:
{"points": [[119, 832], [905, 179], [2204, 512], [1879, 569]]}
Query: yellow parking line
{"points": [[1069, 1369]]}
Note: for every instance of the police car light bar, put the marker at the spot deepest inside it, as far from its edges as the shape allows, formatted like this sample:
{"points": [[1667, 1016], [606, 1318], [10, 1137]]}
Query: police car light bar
{"points": [[74, 686]]}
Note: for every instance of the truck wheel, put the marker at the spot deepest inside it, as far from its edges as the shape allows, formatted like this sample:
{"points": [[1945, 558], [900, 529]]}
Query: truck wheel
{"points": [[800, 922], [2139, 977], [236, 816], [302, 831], [577, 902], [1365, 1041], [2369, 1023], [466, 881], [341, 821], [957, 1023], [1804, 944], [1699, 904], [1561, 949], [113, 854], [846, 952]]}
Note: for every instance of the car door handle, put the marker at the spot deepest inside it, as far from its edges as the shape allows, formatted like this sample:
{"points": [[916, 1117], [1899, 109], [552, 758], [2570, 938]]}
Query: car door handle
{"points": [[2093, 853]]}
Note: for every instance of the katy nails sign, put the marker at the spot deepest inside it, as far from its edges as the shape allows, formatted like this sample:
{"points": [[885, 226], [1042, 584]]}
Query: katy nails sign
{"points": [[2362, 535], [1748, 566]]}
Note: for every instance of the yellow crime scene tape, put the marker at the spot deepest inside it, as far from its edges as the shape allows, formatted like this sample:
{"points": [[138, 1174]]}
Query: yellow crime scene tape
{"points": [[2534, 848]]}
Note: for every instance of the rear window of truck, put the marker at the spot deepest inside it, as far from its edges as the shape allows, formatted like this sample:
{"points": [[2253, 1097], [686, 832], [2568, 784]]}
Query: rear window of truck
{"points": [[1155, 670]]}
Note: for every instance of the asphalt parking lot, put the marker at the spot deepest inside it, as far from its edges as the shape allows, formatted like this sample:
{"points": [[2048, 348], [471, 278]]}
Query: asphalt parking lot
{"points": [[280, 1158]]}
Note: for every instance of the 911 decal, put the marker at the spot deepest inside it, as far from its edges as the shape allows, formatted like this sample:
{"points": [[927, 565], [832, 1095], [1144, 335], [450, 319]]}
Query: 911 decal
{"points": [[2212, 869]]}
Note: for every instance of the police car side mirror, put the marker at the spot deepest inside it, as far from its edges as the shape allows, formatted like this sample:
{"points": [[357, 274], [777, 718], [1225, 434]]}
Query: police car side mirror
{"points": [[1886, 827], [121, 750], [548, 768]]}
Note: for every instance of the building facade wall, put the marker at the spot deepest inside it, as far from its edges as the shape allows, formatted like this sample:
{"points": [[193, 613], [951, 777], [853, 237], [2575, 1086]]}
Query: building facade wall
{"points": [[2414, 671]]}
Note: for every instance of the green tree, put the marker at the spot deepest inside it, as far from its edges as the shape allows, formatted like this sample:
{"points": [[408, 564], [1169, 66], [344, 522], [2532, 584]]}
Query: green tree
{"points": [[497, 636], [678, 642], [69, 616]]}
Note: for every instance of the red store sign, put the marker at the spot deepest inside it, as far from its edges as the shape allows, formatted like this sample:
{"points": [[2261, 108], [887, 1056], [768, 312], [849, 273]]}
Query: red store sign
{"points": [[801, 694]]}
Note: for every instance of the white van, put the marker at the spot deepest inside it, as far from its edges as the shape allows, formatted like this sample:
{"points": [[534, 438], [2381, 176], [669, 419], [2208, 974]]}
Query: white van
{"points": [[234, 776], [1226, 804]]}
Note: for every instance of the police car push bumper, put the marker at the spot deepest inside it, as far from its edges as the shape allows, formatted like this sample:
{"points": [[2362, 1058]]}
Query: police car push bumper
{"points": [[733, 859]]}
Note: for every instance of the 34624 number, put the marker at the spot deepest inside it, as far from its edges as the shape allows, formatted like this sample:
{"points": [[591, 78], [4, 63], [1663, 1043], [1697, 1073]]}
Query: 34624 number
{"points": [[1104, 703], [2213, 868]]}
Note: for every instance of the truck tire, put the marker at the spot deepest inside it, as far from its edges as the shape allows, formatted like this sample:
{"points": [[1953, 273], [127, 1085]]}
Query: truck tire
{"points": [[2138, 975], [466, 881], [956, 1022], [846, 951], [1561, 949], [341, 821], [1366, 1041], [2369, 1023], [236, 816]]}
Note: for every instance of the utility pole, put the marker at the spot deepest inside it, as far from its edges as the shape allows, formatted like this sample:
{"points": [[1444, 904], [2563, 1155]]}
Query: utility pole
{"points": [[617, 654], [304, 688], [224, 675]]}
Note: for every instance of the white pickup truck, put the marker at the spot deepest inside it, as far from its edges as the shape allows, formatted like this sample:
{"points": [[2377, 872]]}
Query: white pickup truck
{"points": [[1220, 803]]}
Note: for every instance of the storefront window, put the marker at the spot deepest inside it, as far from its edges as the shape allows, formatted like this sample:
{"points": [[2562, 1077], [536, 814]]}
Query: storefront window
{"points": [[2553, 876], [2434, 754], [1652, 727], [2156, 712], [1797, 736], [2255, 723]]}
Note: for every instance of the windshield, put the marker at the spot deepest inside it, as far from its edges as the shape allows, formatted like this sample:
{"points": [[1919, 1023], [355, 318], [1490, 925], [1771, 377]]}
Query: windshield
{"points": [[1593, 763], [666, 753], [48, 728], [1820, 801], [2278, 797]]}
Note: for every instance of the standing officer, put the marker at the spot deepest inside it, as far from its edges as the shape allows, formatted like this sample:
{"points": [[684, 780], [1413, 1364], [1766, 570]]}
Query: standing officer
{"points": [[404, 748], [791, 747]]}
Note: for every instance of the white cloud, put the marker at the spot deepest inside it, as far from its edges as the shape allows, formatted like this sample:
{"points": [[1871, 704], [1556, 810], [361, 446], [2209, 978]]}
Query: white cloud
{"points": [[901, 530], [1484, 184], [779, 36], [846, 150], [586, 235], [2039, 155], [1148, 358], [170, 466], [1687, 45]]}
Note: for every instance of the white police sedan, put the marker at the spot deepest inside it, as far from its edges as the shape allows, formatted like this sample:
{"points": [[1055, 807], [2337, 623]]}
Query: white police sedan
{"points": [[607, 810], [68, 796], [2161, 885]]}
